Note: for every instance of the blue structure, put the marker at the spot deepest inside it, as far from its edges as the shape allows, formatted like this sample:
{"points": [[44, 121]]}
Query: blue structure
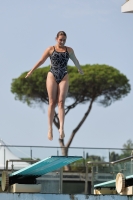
{"points": [[45, 166]]}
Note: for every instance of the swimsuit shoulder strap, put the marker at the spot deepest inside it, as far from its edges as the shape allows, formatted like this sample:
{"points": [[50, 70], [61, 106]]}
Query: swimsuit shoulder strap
{"points": [[54, 48], [66, 49]]}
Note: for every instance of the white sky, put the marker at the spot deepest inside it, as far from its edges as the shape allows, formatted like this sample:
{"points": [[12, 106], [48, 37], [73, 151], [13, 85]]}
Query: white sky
{"points": [[98, 32]]}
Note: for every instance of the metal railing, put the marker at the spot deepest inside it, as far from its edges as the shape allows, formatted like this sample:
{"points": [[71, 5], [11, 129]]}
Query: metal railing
{"points": [[86, 167], [92, 163], [12, 161], [33, 152]]}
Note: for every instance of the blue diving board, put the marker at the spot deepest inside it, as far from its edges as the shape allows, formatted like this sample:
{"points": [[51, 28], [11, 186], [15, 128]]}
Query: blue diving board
{"points": [[46, 165], [110, 184], [107, 184], [129, 177]]}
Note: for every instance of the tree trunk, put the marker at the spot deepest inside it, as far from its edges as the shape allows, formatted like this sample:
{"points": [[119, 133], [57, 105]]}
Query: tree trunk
{"points": [[65, 148], [80, 124], [64, 151]]}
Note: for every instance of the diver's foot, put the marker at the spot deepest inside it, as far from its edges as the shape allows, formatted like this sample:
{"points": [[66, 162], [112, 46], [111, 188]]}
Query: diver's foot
{"points": [[50, 134], [62, 134]]}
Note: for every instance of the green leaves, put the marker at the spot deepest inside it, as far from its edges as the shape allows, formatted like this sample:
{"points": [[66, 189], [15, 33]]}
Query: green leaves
{"points": [[102, 83]]}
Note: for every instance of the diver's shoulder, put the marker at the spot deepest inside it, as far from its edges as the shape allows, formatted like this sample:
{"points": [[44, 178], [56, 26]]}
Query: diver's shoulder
{"points": [[70, 50]]}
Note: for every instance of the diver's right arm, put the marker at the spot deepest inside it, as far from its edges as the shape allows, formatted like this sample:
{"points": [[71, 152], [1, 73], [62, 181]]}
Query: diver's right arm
{"points": [[40, 62]]}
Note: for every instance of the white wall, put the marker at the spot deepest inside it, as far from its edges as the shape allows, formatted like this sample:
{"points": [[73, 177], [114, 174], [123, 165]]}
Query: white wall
{"points": [[127, 7]]}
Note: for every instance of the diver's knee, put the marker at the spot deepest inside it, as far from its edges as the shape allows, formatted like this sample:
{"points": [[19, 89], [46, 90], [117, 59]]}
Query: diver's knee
{"points": [[61, 103], [52, 103]]}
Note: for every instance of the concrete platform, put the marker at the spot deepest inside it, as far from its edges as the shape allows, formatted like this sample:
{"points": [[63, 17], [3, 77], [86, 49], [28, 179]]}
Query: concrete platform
{"points": [[19, 196]]}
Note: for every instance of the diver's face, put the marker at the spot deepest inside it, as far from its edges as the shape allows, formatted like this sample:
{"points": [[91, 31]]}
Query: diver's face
{"points": [[61, 40]]}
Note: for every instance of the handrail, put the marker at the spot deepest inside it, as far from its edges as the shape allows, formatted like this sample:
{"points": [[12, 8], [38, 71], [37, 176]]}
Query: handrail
{"points": [[114, 162], [30, 146], [24, 160], [121, 160], [98, 163], [7, 161]]}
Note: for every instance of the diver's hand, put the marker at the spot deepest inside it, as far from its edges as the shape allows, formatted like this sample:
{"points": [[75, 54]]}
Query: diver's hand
{"points": [[80, 71], [28, 74]]}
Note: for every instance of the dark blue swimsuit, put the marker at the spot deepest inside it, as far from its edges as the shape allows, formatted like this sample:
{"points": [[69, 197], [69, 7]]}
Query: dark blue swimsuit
{"points": [[59, 62]]}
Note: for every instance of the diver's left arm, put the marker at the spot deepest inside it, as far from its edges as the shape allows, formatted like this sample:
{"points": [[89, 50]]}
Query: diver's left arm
{"points": [[75, 61]]}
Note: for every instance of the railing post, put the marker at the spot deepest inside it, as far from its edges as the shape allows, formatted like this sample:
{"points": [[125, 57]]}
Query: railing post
{"points": [[132, 162], [83, 158], [61, 181], [57, 152], [7, 165], [92, 179], [31, 153], [86, 179], [12, 166], [4, 157]]}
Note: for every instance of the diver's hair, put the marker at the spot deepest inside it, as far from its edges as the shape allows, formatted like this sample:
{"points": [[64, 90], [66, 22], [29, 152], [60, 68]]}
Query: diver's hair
{"points": [[61, 33]]}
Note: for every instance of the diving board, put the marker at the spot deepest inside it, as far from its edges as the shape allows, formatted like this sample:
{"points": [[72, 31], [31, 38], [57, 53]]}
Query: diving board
{"points": [[112, 183], [107, 187], [45, 166], [121, 185], [29, 174], [107, 184]]}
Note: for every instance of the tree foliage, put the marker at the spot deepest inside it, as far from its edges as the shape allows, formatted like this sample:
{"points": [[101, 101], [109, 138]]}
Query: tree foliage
{"points": [[113, 156], [100, 83], [127, 149]]}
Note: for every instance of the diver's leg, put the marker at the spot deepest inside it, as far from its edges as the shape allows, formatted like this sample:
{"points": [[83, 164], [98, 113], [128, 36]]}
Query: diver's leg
{"points": [[52, 87], [62, 92]]}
